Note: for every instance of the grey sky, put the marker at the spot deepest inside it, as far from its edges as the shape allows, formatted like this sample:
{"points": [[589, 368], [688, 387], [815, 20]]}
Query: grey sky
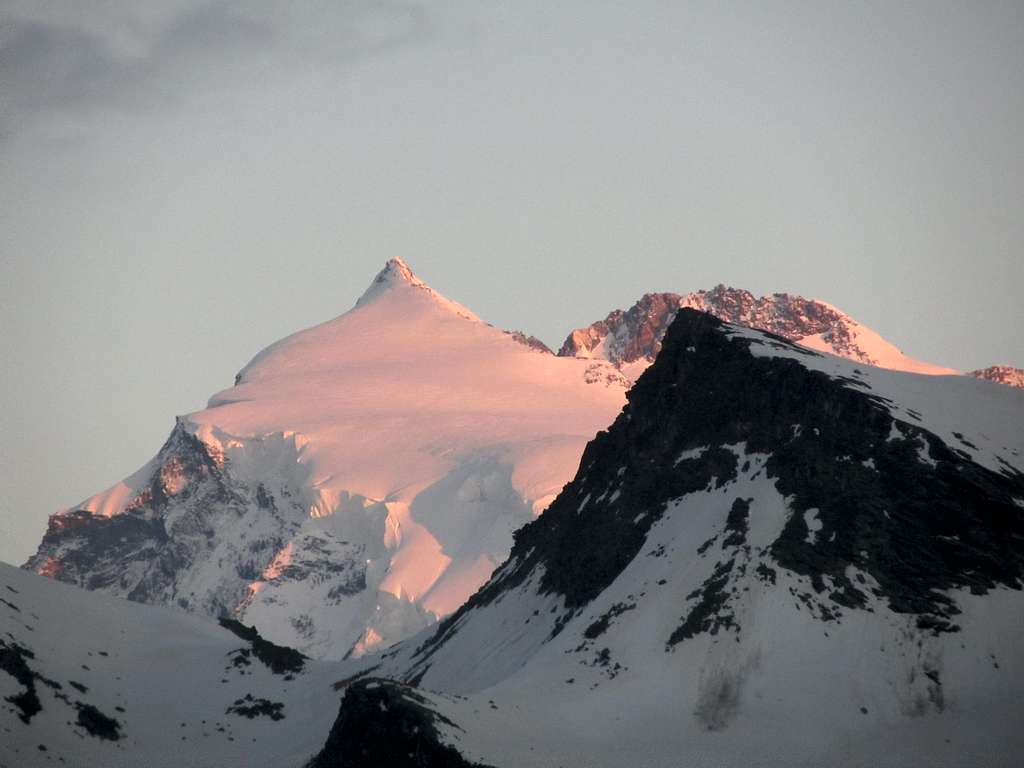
{"points": [[182, 183]]}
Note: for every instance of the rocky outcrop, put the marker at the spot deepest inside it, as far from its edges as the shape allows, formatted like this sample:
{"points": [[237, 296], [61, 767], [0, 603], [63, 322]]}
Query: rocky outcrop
{"points": [[636, 333], [192, 535], [631, 339], [1001, 374], [530, 341], [384, 723]]}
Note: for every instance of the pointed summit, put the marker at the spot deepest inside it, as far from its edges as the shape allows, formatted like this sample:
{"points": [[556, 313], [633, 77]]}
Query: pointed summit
{"points": [[398, 275], [388, 454], [395, 272]]}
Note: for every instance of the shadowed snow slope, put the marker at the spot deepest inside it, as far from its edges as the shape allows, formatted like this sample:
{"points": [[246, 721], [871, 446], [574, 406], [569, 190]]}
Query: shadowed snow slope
{"points": [[88, 680], [773, 557], [360, 479]]}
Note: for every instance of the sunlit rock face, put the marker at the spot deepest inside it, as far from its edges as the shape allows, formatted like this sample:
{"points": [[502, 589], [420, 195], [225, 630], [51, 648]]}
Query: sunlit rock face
{"points": [[1001, 374], [361, 479], [631, 339]]}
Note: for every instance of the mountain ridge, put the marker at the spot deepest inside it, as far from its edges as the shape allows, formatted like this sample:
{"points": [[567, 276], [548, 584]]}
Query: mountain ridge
{"points": [[364, 476], [776, 556], [631, 338]]}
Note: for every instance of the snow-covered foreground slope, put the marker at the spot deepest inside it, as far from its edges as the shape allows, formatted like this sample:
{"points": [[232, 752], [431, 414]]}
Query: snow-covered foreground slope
{"points": [[773, 557], [88, 680], [631, 338], [360, 479]]}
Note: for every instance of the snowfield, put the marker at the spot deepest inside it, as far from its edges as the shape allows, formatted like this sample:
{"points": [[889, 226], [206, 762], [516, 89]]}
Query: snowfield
{"points": [[123, 685]]}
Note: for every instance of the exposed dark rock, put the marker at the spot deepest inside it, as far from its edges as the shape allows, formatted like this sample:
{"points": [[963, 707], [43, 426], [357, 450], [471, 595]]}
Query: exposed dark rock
{"points": [[96, 723], [530, 341], [599, 627], [708, 615], [387, 725], [135, 554], [353, 586], [280, 659], [919, 528], [13, 661], [252, 707], [736, 523], [765, 573]]}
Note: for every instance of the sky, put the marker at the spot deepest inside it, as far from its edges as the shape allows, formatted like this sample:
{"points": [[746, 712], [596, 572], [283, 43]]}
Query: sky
{"points": [[182, 183]]}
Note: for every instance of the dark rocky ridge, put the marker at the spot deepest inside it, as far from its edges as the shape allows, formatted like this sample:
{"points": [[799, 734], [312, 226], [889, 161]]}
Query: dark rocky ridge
{"points": [[385, 724], [917, 529], [14, 661], [280, 659], [530, 341]]}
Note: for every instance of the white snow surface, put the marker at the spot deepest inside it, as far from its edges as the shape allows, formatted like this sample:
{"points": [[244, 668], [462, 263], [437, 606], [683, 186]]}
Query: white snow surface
{"points": [[171, 674], [416, 438]]}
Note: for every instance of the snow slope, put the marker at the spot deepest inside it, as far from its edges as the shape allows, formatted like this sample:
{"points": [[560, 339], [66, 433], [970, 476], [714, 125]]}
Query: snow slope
{"points": [[360, 479], [121, 685], [773, 557]]}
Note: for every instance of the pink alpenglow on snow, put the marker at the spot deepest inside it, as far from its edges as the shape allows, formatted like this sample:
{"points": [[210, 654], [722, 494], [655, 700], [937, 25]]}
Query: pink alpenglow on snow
{"points": [[375, 467]]}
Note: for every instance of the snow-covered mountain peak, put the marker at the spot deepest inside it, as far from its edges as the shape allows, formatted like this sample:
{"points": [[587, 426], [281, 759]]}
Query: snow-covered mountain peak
{"points": [[395, 273], [398, 282], [398, 267], [359, 479]]}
